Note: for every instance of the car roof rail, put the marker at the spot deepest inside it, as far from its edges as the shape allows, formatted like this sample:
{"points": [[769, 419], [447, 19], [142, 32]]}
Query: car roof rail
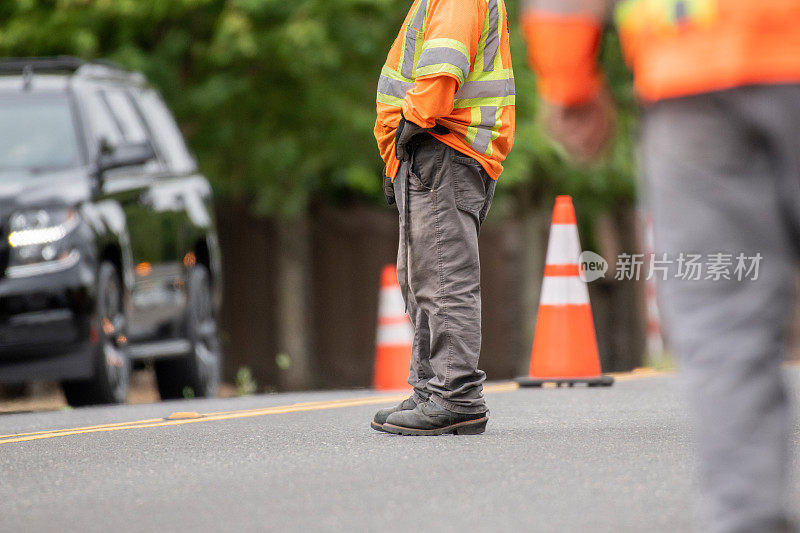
{"points": [[96, 68], [14, 65]]}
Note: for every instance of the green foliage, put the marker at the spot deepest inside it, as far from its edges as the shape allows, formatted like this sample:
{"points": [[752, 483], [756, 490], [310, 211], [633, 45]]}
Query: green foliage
{"points": [[276, 97], [245, 382]]}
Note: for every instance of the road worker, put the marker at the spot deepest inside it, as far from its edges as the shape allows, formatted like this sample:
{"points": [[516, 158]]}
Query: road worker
{"points": [[719, 82], [445, 124]]}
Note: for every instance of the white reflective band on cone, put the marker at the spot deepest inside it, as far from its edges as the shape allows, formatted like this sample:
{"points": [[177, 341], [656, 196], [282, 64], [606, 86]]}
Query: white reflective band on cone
{"points": [[564, 290], [401, 333], [564, 247], [391, 303]]}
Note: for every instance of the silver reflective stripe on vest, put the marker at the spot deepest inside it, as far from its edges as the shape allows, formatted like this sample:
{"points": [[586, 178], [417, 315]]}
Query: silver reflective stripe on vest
{"points": [[439, 55], [488, 116], [407, 69], [419, 17], [493, 39], [486, 89], [396, 88], [483, 137]]}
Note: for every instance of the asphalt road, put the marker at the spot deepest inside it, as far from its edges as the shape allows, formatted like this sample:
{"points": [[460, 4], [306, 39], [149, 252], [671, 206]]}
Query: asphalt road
{"points": [[579, 459]]}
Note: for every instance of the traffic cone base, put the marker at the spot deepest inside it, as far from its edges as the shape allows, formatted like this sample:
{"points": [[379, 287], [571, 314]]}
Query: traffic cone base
{"points": [[394, 338], [600, 381], [392, 363], [564, 347]]}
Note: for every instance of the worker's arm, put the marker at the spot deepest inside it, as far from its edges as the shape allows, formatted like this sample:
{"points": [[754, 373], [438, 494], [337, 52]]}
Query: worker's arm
{"points": [[563, 39], [430, 99]]}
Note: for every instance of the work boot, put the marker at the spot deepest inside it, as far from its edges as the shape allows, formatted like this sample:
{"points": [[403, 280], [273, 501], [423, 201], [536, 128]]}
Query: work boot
{"points": [[380, 416], [430, 419]]}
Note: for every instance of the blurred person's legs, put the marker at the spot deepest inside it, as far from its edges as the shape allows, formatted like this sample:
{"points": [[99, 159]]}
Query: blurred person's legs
{"points": [[724, 177], [448, 197]]}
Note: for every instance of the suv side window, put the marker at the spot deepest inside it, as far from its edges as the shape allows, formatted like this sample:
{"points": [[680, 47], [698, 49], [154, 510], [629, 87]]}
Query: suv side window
{"points": [[102, 124], [166, 133], [121, 107]]}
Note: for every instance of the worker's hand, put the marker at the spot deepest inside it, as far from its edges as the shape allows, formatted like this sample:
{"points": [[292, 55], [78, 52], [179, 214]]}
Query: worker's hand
{"points": [[586, 130], [388, 188], [406, 131]]}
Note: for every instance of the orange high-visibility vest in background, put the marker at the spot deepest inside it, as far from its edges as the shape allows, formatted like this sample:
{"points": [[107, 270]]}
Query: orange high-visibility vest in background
{"points": [[451, 59], [674, 47]]}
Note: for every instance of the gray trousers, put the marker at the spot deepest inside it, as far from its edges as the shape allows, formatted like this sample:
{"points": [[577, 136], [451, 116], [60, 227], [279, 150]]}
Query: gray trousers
{"points": [[443, 197], [723, 171]]}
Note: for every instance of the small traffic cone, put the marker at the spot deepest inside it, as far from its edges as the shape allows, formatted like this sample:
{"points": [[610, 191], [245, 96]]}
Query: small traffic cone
{"points": [[564, 346], [395, 336]]}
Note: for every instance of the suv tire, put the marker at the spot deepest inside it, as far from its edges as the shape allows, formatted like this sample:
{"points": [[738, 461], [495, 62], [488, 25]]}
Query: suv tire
{"points": [[198, 373], [112, 366]]}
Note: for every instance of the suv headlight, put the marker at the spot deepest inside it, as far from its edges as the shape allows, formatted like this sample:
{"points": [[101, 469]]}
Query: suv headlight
{"points": [[41, 235]]}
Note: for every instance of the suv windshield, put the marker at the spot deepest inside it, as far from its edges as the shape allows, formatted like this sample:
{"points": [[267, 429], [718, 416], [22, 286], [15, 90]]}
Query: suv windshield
{"points": [[37, 133]]}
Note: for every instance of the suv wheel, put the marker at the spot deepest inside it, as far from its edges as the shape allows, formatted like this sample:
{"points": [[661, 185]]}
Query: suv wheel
{"points": [[112, 366], [197, 374]]}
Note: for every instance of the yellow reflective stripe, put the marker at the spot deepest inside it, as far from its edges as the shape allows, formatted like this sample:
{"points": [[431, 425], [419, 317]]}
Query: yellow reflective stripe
{"points": [[441, 68], [393, 74], [482, 102], [389, 100], [495, 75], [472, 130], [479, 57]]}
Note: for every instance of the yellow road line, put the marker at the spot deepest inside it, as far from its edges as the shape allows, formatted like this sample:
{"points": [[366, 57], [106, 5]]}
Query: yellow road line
{"points": [[641, 373], [227, 415]]}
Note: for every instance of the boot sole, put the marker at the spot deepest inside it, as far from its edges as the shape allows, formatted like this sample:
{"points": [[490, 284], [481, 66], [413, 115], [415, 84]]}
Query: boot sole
{"points": [[470, 427], [377, 427]]}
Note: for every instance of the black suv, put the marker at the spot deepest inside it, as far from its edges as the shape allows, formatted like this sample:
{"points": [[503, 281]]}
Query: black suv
{"points": [[108, 248]]}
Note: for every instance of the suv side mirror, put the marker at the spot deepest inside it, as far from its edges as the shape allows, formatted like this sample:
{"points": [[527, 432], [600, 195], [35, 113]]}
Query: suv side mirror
{"points": [[123, 155]]}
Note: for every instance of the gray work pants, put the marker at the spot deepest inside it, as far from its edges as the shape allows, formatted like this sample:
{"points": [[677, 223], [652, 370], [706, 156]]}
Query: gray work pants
{"points": [[723, 171], [443, 197]]}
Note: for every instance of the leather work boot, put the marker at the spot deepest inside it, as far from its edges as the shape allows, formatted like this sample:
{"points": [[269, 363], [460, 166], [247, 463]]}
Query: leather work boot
{"points": [[430, 419], [380, 416]]}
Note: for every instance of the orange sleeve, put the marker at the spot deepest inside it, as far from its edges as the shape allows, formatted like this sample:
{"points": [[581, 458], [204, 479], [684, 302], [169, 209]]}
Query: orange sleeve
{"points": [[429, 99], [562, 50], [385, 128]]}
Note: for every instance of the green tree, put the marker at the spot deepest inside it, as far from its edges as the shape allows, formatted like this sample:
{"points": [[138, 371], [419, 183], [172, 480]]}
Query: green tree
{"points": [[277, 97]]}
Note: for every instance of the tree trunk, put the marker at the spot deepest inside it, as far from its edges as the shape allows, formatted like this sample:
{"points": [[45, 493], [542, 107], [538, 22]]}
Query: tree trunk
{"points": [[294, 358], [535, 233]]}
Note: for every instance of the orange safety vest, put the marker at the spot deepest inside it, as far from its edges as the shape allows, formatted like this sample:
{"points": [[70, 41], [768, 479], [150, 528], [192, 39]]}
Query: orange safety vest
{"points": [[468, 41], [674, 47]]}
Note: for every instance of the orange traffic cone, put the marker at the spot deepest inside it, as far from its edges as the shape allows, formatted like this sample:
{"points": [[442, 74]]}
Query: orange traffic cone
{"points": [[564, 346], [395, 336]]}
